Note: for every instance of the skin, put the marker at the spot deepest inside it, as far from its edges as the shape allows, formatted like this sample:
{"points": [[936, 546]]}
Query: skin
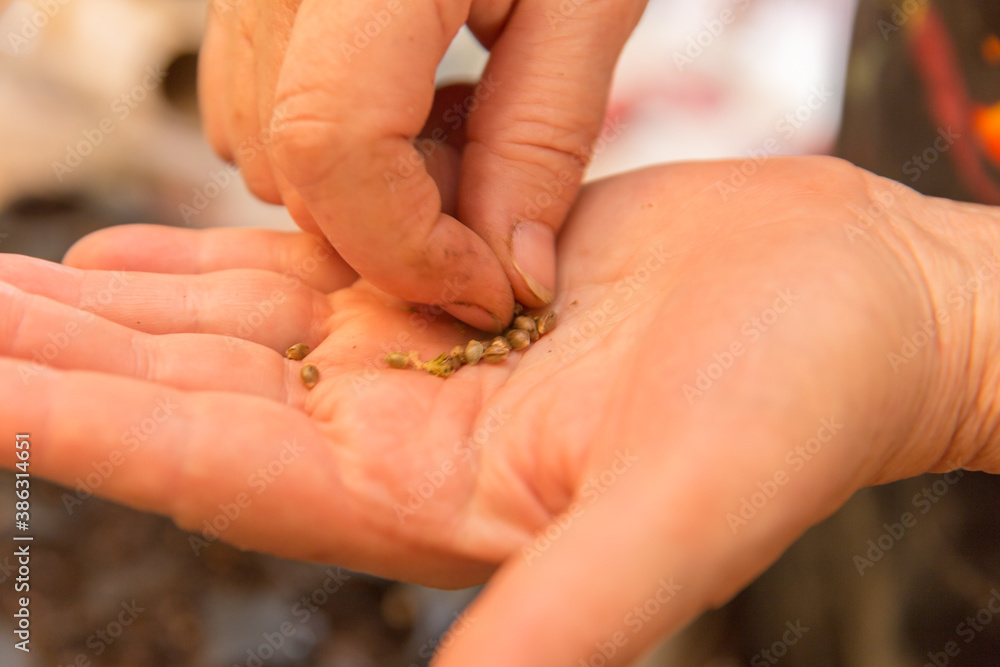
{"points": [[319, 101], [600, 398]]}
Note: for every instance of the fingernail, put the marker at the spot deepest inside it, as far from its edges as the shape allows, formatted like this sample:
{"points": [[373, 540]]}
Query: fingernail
{"points": [[477, 316], [533, 250]]}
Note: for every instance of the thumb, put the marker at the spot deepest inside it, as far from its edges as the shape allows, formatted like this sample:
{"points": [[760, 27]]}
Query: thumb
{"points": [[649, 543], [593, 588], [539, 107]]}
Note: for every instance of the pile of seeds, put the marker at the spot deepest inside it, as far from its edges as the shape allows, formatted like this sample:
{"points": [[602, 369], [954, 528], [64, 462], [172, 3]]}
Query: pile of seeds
{"points": [[524, 330]]}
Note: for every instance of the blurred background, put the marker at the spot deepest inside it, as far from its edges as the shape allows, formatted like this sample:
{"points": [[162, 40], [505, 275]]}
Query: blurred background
{"points": [[99, 126]]}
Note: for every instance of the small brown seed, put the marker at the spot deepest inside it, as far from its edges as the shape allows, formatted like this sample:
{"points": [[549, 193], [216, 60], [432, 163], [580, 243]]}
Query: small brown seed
{"points": [[458, 354], [496, 354], [397, 360], [546, 322], [473, 352], [518, 339], [518, 309], [309, 375], [297, 352], [526, 323], [500, 341]]}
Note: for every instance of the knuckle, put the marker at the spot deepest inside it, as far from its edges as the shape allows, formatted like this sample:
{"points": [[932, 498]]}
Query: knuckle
{"points": [[300, 146]]}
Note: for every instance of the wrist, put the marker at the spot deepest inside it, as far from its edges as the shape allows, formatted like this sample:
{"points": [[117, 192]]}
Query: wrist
{"points": [[957, 246]]}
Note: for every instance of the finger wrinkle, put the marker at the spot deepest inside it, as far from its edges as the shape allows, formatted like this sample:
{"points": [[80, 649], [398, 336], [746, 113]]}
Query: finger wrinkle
{"points": [[144, 354], [191, 306], [16, 303]]}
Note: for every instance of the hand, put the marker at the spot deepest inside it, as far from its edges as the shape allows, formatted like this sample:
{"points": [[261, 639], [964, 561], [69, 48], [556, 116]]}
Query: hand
{"points": [[709, 349], [319, 102]]}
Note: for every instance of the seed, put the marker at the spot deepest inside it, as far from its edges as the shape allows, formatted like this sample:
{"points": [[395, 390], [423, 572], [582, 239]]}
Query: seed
{"points": [[496, 354], [518, 309], [473, 352], [442, 366], [546, 322], [458, 354], [297, 352], [397, 360], [518, 339], [500, 341], [309, 375], [526, 323]]}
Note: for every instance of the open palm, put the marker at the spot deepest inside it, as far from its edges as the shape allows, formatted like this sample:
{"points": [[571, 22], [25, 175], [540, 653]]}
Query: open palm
{"points": [[721, 379]]}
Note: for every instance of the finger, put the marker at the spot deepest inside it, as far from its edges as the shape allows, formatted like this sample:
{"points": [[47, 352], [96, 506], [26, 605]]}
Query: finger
{"points": [[42, 333], [159, 249], [344, 142], [245, 134], [260, 306], [539, 107], [576, 564], [275, 21], [441, 142], [213, 84], [170, 451], [238, 468]]}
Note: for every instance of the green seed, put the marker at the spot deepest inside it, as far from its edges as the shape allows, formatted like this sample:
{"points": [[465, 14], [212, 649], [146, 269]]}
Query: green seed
{"points": [[397, 360], [297, 352], [442, 366], [309, 375]]}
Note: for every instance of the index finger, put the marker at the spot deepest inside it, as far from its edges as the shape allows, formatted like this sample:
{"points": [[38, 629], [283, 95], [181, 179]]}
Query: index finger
{"points": [[343, 140]]}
